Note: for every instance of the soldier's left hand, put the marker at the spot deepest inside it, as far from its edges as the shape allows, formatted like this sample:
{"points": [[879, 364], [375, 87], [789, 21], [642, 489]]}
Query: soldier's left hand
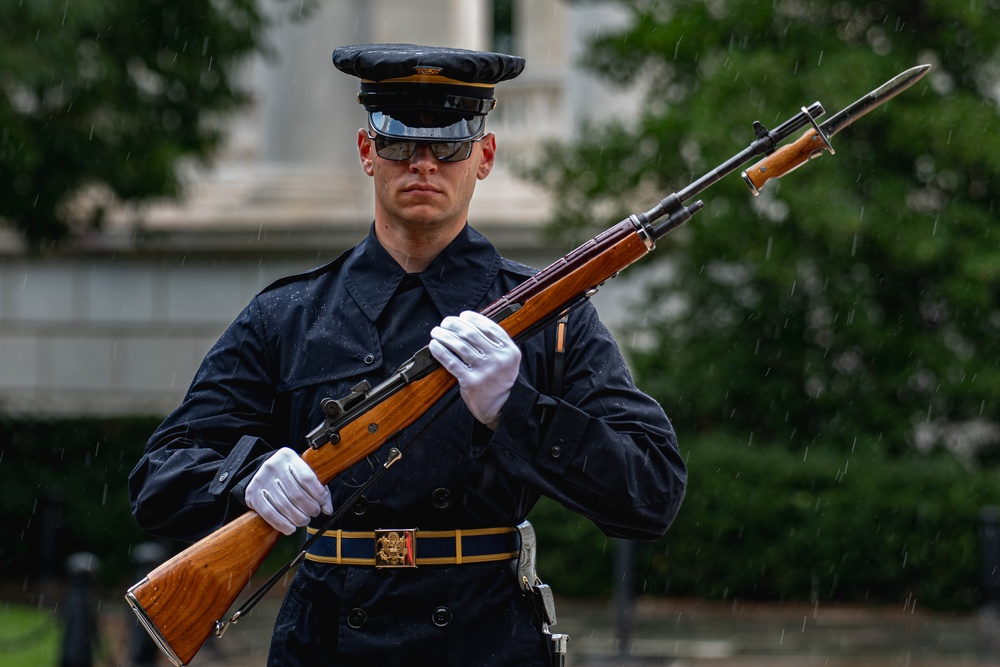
{"points": [[482, 357]]}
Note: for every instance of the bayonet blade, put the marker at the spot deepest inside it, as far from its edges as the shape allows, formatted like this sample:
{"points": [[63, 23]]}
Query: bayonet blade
{"points": [[876, 98], [817, 139]]}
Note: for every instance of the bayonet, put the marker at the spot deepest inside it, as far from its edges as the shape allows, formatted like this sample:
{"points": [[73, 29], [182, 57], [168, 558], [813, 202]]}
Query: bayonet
{"points": [[817, 138]]}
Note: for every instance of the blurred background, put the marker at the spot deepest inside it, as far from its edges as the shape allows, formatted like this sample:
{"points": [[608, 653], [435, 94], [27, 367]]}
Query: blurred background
{"points": [[829, 351]]}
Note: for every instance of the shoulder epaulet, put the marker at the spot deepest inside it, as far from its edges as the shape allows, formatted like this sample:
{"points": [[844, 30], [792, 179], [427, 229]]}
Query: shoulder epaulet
{"points": [[310, 274]]}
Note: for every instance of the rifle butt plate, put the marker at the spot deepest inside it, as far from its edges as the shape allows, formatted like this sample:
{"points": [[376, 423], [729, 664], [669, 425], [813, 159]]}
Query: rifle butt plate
{"points": [[150, 626]]}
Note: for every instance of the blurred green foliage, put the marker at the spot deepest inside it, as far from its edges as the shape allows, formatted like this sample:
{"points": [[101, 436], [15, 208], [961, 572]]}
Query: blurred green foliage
{"points": [[859, 295], [65, 489], [109, 98], [820, 525]]}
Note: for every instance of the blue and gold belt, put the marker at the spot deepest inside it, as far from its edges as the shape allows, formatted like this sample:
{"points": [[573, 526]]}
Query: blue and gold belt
{"points": [[410, 547]]}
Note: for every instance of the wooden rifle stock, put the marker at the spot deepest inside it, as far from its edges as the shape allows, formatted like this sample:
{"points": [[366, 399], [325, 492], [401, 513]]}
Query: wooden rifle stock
{"points": [[179, 602]]}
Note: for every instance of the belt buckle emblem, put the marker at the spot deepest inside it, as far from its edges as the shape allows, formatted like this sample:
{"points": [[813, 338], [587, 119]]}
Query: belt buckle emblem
{"points": [[395, 547]]}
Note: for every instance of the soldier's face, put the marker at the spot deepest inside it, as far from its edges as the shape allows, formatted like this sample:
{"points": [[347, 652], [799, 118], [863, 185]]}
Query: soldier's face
{"points": [[423, 193]]}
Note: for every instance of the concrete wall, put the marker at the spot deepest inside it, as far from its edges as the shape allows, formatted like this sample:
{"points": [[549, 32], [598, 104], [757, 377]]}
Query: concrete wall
{"points": [[114, 336]]}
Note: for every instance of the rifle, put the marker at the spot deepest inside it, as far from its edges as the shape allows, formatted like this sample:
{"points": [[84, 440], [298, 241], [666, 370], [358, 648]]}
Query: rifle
{"points": [[180, 602]]}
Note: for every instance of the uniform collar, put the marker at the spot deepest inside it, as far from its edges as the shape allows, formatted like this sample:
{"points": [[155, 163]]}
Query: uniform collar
{"points": [[456, 280]]}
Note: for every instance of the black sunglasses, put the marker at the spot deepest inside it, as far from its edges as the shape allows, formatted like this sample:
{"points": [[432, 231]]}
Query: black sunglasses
{"points": [[398, 150]]}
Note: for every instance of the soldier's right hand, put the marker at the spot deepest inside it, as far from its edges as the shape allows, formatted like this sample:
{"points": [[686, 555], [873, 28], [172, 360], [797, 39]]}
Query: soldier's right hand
{"points": [[286, 492]]}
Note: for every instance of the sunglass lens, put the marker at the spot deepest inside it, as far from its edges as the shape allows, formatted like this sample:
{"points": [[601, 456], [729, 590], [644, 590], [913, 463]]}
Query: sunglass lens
{"points": [[451, 151], [394, 149]]}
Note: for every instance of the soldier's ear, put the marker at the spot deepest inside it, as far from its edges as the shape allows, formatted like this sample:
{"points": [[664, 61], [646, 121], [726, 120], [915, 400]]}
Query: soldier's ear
{"points": [[366, 152], [488, 146]]}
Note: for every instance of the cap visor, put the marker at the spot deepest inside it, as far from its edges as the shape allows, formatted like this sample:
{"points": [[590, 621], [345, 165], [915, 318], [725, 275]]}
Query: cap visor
{"points": [[429, 127]]}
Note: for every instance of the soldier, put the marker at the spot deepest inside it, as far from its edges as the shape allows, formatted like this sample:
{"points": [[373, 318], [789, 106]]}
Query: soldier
{"points": [[422, 568]]}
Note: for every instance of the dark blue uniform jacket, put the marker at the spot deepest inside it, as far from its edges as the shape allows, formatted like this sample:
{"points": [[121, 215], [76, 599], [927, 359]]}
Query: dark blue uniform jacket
{"points": [[600, 447]]}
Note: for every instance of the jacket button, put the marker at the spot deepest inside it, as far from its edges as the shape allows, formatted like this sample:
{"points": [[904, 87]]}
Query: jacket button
{"points": [[360, 506], [441, 498], [356, 617], [556, 451], [369, 358], [441, 617]]}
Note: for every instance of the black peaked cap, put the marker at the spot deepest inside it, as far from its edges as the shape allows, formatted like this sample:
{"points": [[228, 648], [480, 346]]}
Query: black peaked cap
{"points": [[378, 62]]}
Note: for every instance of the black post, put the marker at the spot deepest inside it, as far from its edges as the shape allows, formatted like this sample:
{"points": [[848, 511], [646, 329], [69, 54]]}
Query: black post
{"points": [[989, 556], [143, 651], [624, 565], [989, 584], [50, 513], [79, 612]]}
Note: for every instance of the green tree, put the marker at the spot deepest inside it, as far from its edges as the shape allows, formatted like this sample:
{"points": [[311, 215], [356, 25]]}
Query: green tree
{"points": [[106, 98], [857, 296]]}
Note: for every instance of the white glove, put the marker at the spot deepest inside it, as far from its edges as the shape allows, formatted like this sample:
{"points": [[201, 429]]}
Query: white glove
{"points": [[286, 492], [482, 357]]}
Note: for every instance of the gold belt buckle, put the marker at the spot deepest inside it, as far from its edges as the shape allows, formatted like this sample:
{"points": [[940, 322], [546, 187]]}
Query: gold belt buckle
{"points": [[395, 547]]}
